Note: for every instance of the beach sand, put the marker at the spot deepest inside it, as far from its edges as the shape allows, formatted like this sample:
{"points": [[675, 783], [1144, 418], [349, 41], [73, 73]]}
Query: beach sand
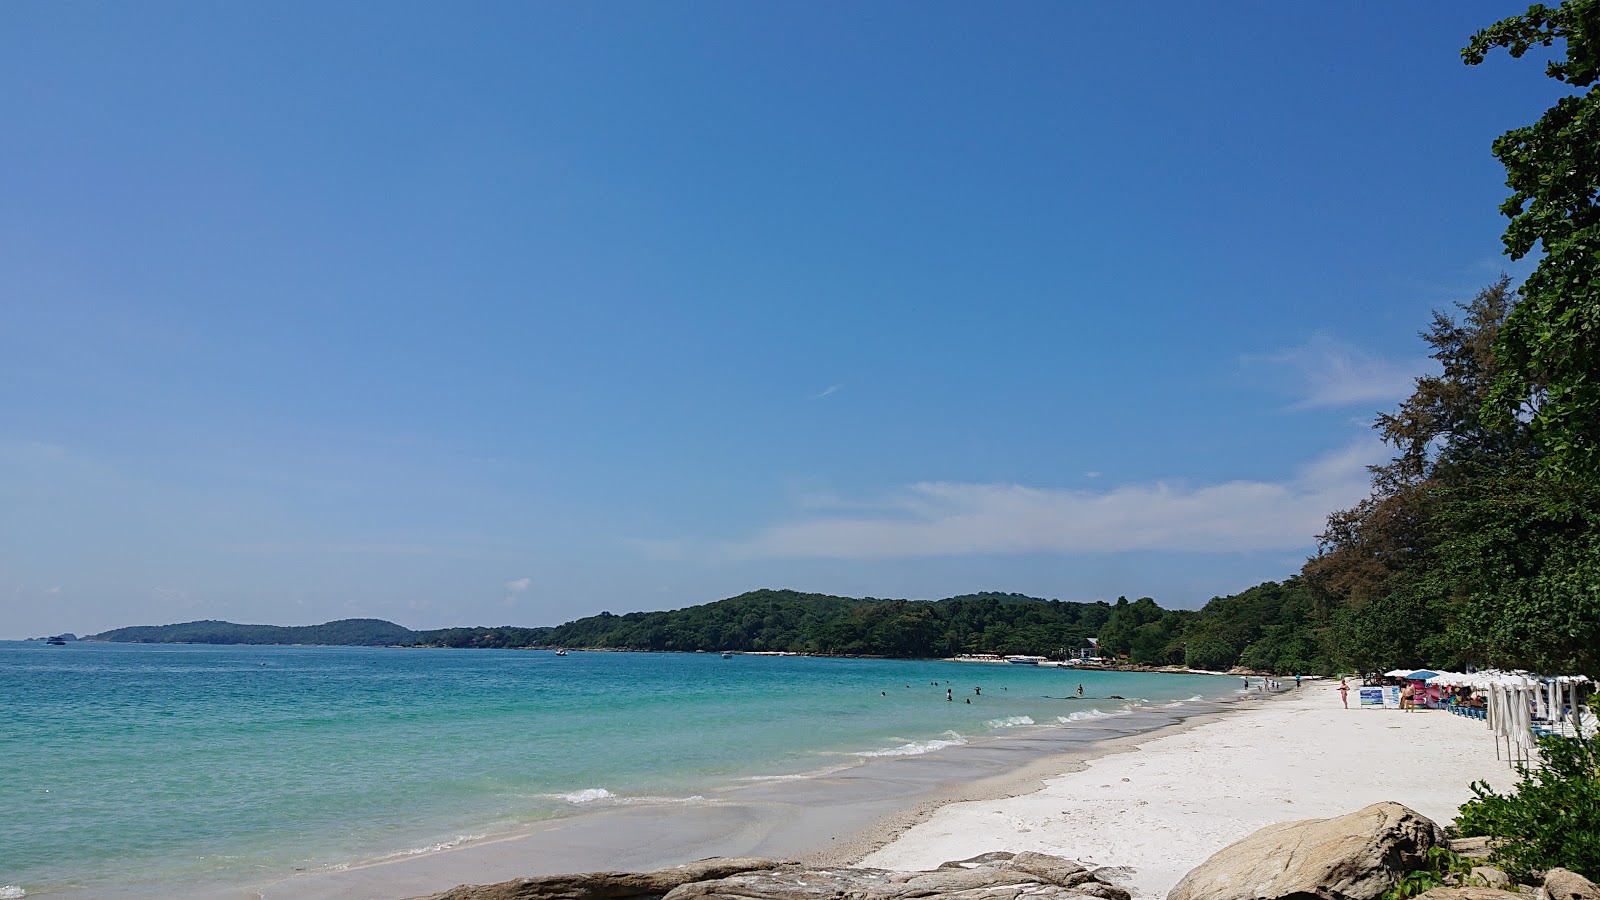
{"points": [[1108, 793], [1164, 805]]}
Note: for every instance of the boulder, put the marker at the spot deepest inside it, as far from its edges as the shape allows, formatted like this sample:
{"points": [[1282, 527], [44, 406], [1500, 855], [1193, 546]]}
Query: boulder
{"points": [[1468, 893], [608, 885], [1356, 856], [991, 876], [1563, 884], [1489, 876], [1471, 847]]}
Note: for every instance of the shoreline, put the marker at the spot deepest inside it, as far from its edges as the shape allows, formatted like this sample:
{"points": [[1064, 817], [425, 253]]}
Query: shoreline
{"points": [[1168, 802], [833, 817]]}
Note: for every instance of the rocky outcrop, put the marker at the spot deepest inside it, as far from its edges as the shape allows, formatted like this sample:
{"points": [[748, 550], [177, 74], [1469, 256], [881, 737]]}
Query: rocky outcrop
{"points": [[992, 876], [1563, 884], [609, 885], [1351, 857], [1469, 893]]}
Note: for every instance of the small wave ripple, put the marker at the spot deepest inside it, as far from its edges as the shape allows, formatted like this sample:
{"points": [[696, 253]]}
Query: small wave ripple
{"points": [[588, 795], [1010, 722], [917, 748]]}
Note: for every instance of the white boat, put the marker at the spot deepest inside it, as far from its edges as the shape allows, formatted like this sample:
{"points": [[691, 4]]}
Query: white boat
{"points": [[561, 653], [727, 654], [1025, 660]]}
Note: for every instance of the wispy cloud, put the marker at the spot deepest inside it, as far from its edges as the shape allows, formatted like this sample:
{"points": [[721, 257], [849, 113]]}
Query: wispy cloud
{"points": [[1329, 373], [944, 518], [828, 391], [162, 593], [518, 585]]}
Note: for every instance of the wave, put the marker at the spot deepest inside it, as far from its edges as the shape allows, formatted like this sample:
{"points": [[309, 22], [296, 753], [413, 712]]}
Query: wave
{"points": [[587, 795], [917, 748], [12, 892], [451, 844], [1009, 722], [1084, 715], [1195, 699]]}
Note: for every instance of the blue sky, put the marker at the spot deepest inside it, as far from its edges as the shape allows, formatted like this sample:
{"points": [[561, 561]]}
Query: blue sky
{"points": [[512, 313]]}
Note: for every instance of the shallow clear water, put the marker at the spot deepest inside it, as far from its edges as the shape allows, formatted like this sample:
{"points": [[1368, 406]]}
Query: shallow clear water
{"points": [[197, 765]]}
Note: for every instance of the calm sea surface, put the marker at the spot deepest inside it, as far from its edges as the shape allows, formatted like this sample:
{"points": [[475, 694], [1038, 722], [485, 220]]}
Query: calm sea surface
{"points": [[194, 765]]}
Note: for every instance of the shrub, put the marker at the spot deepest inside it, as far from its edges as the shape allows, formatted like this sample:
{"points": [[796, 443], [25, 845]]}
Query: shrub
{"points": [[1551, 819]]}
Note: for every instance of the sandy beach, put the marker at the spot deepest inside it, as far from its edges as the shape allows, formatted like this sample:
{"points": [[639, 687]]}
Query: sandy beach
{"points": [[1156, 802], [1164, 805]]}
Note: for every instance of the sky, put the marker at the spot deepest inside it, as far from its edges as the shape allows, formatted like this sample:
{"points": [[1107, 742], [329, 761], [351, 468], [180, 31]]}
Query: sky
{"points": [[511, 313]]}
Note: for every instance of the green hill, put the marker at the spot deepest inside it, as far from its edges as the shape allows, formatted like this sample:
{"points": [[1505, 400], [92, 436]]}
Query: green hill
{"points": [[345, 632]]}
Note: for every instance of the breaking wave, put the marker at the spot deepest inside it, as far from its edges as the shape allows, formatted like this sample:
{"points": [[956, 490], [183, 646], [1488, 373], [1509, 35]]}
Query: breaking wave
{"points": [[917, 748], [1010, 722], [587, 795]]}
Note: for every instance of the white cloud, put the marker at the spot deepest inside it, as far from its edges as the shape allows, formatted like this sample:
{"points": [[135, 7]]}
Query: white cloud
{"points": [[945, 518], [827, 391], [1330, 373], [517, 586], [53, 591]]}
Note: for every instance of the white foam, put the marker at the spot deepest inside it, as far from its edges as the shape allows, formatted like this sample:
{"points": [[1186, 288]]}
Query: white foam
{"points": [[917, 748], [451, 844], [1084, 715], [1195, 699], [587, 795], [1009, 722], [12, 892]]}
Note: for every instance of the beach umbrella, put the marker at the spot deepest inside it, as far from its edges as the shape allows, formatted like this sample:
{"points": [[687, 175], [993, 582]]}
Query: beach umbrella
{"points": [[1395, 673], [1419, 675]]}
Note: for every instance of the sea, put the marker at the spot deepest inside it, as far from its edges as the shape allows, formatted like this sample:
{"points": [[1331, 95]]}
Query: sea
{"points": [[135, 767]]}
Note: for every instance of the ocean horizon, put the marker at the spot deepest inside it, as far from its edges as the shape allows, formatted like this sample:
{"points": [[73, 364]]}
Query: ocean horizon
{"points": [[187, 768]]}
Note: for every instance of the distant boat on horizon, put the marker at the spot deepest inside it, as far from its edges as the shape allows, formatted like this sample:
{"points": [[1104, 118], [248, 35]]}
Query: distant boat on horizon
{"points": [[727, 654], [561, 652]]}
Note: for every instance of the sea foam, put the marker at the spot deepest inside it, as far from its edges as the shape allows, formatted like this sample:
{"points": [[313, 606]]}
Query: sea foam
{"points": [[12, 892], [1084, 715], [917, 748], [587, 795], [1010, 722]]}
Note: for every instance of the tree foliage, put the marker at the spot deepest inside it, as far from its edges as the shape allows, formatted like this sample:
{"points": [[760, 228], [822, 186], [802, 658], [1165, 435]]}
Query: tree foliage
{"points": [[1550, 346]]}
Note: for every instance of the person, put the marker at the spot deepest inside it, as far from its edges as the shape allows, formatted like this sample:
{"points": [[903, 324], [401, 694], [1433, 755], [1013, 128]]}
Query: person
{"points": [[949, 696], [1080, 690], [978, 691], [1297, 681], [1344, 692], [1405, 698], [1246, 680]]}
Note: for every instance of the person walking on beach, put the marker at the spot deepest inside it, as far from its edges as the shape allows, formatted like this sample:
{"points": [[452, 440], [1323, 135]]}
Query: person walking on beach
{"points": [[1344, 693], [1297, 681]]}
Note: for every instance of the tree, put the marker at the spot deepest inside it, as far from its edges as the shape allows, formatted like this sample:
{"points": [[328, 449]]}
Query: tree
{"points": [[1550, 345]]}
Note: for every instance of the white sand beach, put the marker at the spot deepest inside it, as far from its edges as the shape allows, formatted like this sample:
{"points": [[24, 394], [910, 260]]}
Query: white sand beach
{"points": [[1166, 804]]}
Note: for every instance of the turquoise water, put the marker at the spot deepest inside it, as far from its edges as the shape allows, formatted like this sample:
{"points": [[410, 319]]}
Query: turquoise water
{"points": [[195, 765]]}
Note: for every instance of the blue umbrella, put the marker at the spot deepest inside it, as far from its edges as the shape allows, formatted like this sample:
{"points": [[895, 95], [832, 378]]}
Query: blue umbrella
{"points": [[1419, 675]]}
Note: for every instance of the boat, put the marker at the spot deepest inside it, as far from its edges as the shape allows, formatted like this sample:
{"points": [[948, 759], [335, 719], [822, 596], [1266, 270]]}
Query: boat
{"points": [[56, 642], [561, 653], [1025, 660], [727, 654]]}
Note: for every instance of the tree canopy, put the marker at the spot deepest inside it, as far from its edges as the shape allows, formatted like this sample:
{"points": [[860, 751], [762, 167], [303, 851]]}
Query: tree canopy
{"points": [[1549, 349]]}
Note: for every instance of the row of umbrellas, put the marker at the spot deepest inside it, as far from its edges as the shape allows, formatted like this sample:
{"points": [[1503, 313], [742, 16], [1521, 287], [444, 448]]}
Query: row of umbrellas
{"points": [[1514, 700]]}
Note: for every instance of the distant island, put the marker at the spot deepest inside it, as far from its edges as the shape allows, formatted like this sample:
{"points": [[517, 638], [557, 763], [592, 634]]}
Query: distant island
{"points": [[1266, 627]]}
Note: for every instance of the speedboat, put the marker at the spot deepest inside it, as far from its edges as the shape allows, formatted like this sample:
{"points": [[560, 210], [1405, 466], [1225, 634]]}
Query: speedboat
{"points": [[561, 653]]}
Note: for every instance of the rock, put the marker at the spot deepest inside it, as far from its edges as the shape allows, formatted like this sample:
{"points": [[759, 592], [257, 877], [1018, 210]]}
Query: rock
{"points": [[1563, 884], [608, 885], [1356, 856], [998, 876], [1489, 876], [980, 859], [989, 876], [1471, 847], [1468, 893]]}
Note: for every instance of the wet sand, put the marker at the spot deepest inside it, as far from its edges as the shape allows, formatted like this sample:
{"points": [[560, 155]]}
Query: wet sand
{"points": [[832, 818]]}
